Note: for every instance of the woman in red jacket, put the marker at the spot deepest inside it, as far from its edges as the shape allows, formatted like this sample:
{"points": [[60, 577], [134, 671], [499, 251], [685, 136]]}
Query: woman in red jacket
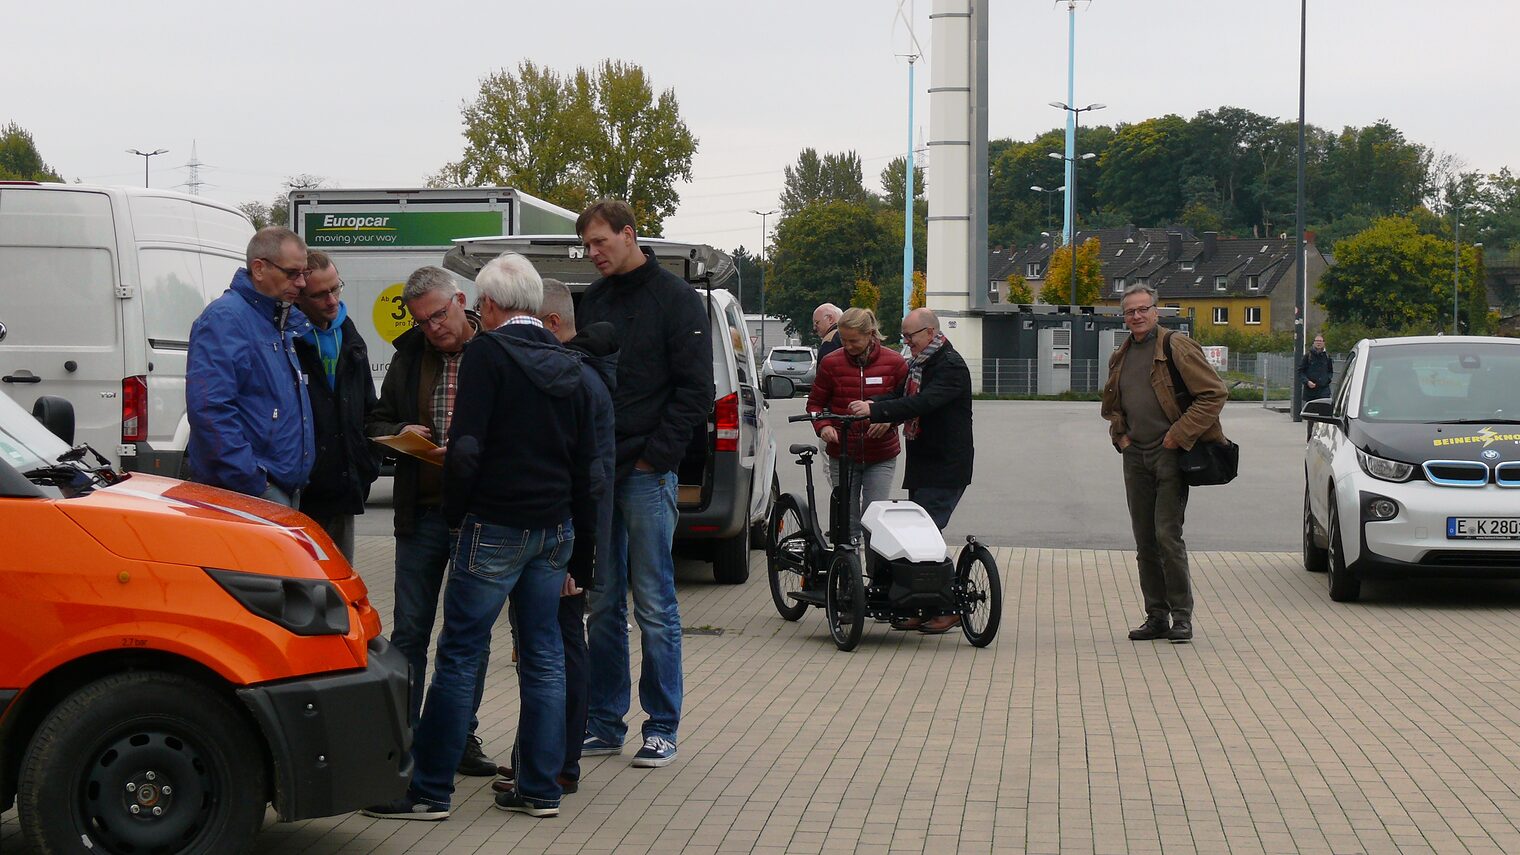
{"points": [[861, 369]]}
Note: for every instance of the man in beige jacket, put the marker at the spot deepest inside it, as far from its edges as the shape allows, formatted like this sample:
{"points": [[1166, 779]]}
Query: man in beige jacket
{"points": [[1151, 422]]}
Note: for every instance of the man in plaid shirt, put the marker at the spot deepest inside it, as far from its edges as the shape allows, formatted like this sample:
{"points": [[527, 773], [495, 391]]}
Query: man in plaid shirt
{"points": [[417, 396]]}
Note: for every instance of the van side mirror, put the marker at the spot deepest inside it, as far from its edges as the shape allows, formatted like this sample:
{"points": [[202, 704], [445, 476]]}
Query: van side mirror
{"points": [[57, 415], [1320, 410], [776, 386]]}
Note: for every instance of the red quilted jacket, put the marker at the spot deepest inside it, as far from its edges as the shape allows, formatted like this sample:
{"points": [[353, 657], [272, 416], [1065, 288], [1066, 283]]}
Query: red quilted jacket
{"points": [[841, 380]]}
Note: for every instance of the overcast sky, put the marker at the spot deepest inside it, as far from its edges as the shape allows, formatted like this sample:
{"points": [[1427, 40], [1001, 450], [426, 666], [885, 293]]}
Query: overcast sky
{"points": [[367, 94]]}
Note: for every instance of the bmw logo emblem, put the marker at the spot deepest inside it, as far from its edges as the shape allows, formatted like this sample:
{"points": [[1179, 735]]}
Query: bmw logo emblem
{"points": [[1490, 454]]}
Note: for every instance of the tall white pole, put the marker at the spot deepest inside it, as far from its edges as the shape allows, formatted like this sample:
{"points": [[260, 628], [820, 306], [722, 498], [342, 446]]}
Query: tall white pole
{"points": [[1071, 121], [908, 202]]}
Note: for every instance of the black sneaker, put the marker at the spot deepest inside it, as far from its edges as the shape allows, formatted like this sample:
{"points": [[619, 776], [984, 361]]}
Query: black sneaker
{"points": [[1181, 632], [1152, 629], [475, 763], [514, 802], [407, 807]]}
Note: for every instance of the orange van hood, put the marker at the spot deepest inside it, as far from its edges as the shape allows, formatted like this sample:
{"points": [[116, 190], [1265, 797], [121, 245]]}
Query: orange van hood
{"points": [[150, 518]]}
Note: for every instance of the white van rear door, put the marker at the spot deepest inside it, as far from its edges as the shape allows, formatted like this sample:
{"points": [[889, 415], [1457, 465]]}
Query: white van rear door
{"points": [[59, 304]]}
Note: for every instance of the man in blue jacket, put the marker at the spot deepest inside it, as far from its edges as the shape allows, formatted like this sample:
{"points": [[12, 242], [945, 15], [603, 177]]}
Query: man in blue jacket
{"points": [[245, 393]]}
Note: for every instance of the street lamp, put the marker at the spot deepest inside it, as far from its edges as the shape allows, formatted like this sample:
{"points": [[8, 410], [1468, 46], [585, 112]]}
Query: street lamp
{"points": [[1071, 170], [1048, 196], [1071, 196], [145, 155], [763, 215]]}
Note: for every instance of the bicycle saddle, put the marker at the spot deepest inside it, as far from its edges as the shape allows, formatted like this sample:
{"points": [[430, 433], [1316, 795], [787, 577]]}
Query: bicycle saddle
{"points": [[803, 448]]}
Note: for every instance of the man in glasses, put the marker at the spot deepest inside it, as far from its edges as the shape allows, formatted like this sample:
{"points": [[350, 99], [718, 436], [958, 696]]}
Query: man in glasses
{"points": [[342, 395], [934, 405], [417, 396], [250, 419], [1151, 422]]}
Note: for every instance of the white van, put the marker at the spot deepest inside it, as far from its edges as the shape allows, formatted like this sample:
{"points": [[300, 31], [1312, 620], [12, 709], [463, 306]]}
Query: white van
{"points": [[98, 288]]}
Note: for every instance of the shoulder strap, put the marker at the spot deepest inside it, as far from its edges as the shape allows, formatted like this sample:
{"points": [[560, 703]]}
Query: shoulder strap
{"points": [[1171, 365]]}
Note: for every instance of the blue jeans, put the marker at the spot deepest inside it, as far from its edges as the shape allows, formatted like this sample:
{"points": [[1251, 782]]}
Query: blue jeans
{"points": [[643, 526], [494, 562], [421, 558], [572, 634]]}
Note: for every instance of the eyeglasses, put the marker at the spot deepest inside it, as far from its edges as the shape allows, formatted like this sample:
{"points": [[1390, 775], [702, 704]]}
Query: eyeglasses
{"points": [[437, 317], [291, 273], [908, 335], [1137, 311], [330, 294]]}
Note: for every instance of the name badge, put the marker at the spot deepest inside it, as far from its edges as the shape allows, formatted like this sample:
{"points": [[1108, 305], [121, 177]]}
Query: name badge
{"points": [[874, 381]]}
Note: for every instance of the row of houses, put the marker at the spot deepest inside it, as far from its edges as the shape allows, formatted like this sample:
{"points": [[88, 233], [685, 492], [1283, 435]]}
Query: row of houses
{"points": [[1244, 283]]}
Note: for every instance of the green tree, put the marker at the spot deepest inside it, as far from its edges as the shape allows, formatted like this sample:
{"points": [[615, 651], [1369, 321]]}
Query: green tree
{"points": [[1018, 289], [572, 138], [1057, 289], [1374, 170], [1392, 277], [1141, 172], [832, 177], [818, 254], [894, 178], [19, 158], [256, 212], [920, 296], [750, 274], [866, 295]]}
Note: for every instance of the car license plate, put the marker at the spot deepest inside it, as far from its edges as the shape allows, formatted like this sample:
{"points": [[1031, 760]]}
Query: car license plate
{"points": [[1483, 528]]}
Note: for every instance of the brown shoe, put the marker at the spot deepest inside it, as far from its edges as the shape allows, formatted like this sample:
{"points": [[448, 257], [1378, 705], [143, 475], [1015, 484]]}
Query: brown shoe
{"points": [[941, 624], [907, 623]]}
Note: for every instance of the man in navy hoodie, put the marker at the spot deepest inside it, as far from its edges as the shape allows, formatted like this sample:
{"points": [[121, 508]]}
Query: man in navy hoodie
{"points": [[342, 394], [250, 419], [521, 466], [597, 345]]}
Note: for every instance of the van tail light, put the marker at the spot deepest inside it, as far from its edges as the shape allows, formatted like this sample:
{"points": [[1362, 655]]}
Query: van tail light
{"points": [[134, 408], [726, 415]]}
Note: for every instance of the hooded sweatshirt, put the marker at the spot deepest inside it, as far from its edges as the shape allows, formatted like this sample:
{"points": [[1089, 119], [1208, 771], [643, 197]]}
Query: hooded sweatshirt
{"points": [[329, 343], [522, 447]]}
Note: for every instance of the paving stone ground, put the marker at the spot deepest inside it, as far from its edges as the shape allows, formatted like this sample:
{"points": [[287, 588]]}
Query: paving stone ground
{"points": [[1291, 724]]}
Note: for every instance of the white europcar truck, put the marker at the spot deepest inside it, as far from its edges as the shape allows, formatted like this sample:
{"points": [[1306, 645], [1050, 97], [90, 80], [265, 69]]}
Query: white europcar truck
{"points": [[98, 289], [377, 238]]}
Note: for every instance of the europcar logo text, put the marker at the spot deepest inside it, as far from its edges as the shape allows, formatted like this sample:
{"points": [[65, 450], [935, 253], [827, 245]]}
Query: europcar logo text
{"points": [[339, 223]]}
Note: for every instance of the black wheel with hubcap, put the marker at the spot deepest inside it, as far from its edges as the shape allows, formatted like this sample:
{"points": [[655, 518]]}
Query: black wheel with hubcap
{"points": [[143, 762], [845, 601], [1345, 587]]}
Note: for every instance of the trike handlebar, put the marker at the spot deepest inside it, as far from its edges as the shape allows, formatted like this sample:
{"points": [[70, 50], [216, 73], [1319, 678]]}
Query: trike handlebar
{"points": [[828, 416]]}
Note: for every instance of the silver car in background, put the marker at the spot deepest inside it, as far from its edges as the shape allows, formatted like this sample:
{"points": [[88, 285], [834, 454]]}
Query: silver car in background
{"points": [[797, 364]]}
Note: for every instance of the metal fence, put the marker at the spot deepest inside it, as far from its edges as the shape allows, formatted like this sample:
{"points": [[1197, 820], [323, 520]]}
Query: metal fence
{"points": [[1272, 374]]}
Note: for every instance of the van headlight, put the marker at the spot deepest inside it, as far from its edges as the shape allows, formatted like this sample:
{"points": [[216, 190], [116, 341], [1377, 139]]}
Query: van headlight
{"points": [[302, 606], [1382, 469]]}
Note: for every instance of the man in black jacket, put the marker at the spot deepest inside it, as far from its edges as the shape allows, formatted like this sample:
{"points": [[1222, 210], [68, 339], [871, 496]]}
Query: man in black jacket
{"points": [[597, 345], [417, 396], [520, 471], [342, 394], [934, 405], [1314, 372], [664, 394]]}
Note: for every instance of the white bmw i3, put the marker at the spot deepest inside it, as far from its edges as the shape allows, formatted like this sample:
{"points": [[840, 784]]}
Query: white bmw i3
{"points": [[1413, 465]]}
